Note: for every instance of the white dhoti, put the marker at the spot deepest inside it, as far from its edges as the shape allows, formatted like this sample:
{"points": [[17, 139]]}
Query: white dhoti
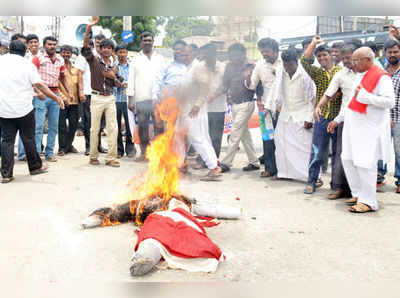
{"points": [[199, 137], [362, 182], [293, 150]]}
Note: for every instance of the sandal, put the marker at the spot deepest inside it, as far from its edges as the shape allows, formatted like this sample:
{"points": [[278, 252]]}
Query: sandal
{"points": [[211, 176], [319, 183], [360, 208], [351, 201], [42, 170], [7, 180], [265, 174], [309, 189]]}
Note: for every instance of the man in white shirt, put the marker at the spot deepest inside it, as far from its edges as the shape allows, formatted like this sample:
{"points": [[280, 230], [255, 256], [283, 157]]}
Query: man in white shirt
{"points": [[265, 71], [295, 94], [143, 71], [16, 109], [343, 82], [365, 118]]}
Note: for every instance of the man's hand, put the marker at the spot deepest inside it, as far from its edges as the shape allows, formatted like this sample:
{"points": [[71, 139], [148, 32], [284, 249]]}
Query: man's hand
{"points": [[110, 74], [260, 106], [332, 126], [317, 113], [60, 101], [308, 125], [82, 97], [394, 32], [41, 96], [391, 123], [131, 107], [357, 91], [317, 39], [124, 85], [194, 112], [94, 21]]}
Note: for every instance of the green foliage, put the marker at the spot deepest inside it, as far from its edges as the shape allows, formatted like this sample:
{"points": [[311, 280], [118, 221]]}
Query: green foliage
{"points": [[139, 24], [183, 26]]}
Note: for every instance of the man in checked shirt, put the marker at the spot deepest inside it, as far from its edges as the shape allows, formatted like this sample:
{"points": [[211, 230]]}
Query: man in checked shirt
{"points": [[321, 76]]}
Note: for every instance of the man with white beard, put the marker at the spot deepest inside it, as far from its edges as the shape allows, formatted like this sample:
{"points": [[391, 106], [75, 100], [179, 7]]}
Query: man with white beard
{"points": [[364, 119]]}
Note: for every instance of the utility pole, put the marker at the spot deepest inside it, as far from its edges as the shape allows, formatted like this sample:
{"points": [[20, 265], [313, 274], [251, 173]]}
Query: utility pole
{"points": [[22, 25], [355, 23], [127, 23], [317, 30]]}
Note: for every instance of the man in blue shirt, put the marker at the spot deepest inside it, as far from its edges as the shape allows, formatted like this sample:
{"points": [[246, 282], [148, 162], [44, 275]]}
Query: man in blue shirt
{"points": [[122, 104]]}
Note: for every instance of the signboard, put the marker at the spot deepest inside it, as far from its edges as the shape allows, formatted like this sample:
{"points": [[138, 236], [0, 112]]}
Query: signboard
{"points": [[127, 36]]}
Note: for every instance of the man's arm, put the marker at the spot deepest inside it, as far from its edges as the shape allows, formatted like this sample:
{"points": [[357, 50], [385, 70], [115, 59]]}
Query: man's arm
{"points": [[82, 96], [386, 97], [63, 82], [306, 58], [394, 32], [252, 78], [86, 37], [46, 91]]}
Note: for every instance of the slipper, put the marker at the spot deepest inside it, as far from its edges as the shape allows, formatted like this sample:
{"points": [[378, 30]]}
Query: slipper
{"points": [[265, 174], [210, 177], [309, 190], [360, 208], [7, 180], [42, 170], [351, 201]]}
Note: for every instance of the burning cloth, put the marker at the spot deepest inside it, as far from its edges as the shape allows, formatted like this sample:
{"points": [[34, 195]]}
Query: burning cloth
{"points": [[178, 237]]}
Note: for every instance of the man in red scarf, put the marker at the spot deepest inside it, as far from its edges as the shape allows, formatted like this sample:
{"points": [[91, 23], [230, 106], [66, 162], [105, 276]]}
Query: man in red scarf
{"points": [[366, 116]]}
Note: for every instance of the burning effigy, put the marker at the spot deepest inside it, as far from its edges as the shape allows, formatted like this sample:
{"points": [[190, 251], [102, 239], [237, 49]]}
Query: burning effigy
{"points": [[171, 224]]}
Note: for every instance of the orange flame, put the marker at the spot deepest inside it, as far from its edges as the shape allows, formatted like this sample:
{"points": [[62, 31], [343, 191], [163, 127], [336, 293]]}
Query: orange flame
{"points": [[161, 178]]}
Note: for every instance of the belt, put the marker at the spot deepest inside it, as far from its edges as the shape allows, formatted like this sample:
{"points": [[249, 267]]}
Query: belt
{"points": [[243, 101], [101, 93]]}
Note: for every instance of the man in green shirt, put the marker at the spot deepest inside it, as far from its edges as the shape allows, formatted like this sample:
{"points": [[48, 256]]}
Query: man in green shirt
{"points": [[321, 76]]}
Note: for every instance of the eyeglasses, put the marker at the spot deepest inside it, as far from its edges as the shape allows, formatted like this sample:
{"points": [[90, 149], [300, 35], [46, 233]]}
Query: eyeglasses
{"points": [[356, 61]]}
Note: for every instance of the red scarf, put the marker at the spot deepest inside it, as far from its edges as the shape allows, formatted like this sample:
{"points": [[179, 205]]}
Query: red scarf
{"points": [[369, 82]]}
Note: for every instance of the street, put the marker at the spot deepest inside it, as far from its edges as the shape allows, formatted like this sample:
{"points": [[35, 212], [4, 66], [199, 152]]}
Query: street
{"points": [[283, 234]]}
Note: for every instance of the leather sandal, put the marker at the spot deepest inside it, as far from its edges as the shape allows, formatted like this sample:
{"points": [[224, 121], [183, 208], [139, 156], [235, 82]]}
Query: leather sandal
{"points": [[42, 170], [7, 180], [360, 208], [351, 201]]}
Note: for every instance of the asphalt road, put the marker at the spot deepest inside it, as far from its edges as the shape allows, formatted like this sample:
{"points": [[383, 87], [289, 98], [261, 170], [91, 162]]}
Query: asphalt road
{"points": [[282, 235]]}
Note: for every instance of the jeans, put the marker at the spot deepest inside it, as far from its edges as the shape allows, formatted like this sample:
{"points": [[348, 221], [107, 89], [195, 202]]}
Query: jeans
{"points": [[339, 180], [396, 144], [26, 127], [66, 134], [41, 107], [320, 142], [122, 111]]}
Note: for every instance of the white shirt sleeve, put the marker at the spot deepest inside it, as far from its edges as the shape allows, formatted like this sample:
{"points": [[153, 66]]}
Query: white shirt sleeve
{"points": [[255, 78], [130, 91], [34, 76], [384, 97], [80, 63], [340, 117], [334, 85]]}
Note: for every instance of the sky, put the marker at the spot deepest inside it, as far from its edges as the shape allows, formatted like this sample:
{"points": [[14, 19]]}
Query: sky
{"points": [[274, 26]]}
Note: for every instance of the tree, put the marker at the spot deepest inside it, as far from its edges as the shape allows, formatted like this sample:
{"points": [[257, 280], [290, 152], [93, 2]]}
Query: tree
{"points": [[183, 26], [139, 24]]}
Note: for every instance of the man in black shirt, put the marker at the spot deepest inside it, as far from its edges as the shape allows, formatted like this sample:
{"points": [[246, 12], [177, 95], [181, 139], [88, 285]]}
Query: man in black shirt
{"points": [[243, 105]]}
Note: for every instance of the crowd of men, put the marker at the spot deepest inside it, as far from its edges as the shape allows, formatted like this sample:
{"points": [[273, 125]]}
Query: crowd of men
{"points": [[344, 96]]}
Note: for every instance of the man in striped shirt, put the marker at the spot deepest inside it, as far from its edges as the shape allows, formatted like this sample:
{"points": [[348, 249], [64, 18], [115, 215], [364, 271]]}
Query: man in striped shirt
{"points": [[51, 69], [321, 77]]}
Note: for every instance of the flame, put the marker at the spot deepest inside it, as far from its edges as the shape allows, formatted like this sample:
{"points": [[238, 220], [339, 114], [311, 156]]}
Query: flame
{"points": [[108, 222], [162, 176]]}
